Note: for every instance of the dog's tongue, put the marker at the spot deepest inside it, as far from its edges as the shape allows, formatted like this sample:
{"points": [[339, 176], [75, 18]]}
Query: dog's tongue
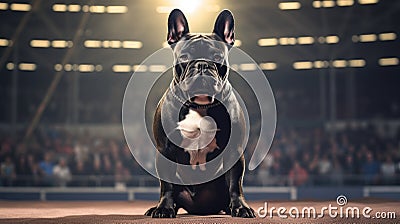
{"points": [[202, 99]]}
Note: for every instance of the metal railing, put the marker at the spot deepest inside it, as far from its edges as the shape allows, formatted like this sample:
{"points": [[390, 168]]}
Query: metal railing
{"points": [[148, 180]]}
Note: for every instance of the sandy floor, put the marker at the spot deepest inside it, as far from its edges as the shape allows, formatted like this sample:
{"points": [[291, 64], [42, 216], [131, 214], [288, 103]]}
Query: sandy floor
{"points": [[132, 212]]}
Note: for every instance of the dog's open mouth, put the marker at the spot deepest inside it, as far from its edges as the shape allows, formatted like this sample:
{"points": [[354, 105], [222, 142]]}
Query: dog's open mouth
{"points": [[202, 99]]}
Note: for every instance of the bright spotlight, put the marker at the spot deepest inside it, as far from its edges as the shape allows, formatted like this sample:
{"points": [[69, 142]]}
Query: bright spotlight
{"points": [[184, 5], [187, 6]]}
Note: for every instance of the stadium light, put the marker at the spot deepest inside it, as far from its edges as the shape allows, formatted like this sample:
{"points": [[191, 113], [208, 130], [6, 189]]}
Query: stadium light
{"points": [[27, 66], [97, 9], [237, 43], [3, 6], [368, 2], [268, 66], [248, 67], [388, 61], [117, 9], [287, 41], [139, 68], [289, 5], [68, 67], [266, 42], [60, 44], [86, 68], [10, 66], [121, 68], [345, 2], [301, 65], [357, 63], [340, 63], [157, 68], [333, 39], [58, 67], [98, 68], [387, 36], [328, 4], [367, 37], [305, 40], [115, 43], [40, 43], [92, 43], [74, 8], [4, 42], [184, 5], [59, 8], [20, 7], [187, 6], [321, 64], [132, 44]]}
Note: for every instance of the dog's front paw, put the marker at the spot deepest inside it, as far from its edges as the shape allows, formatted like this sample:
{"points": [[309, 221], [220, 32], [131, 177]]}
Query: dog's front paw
{"points": [[241, 209], [163, 212], [150, 211]]}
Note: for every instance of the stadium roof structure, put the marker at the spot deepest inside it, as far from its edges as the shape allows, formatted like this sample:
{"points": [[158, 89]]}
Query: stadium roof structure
{"points": [[280, 35]]}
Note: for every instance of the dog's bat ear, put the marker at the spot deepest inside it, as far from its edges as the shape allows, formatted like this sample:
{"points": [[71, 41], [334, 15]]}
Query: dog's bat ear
{"points": [[177, 26], [225, 27]]}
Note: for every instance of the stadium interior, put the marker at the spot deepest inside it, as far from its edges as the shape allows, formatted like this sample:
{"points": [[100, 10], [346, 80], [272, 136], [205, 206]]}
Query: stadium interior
{"points": [[333, 66]]}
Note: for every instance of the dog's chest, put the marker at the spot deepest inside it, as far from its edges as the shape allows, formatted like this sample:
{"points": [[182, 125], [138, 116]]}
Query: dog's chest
{"points": [[198, 131]]}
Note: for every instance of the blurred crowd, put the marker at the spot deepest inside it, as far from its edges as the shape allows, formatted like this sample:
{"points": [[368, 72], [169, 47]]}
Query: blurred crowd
{"points": [[58, 158], [298, 156], [315, 157]]}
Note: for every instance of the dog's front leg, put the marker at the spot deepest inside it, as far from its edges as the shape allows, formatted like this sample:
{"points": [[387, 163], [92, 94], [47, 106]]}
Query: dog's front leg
{"points": [[166, 206], [234, 179]]}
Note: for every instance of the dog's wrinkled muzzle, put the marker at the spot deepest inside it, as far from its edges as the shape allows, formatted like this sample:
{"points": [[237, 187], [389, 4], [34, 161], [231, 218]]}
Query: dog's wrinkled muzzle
{"points": [[201, 82]]}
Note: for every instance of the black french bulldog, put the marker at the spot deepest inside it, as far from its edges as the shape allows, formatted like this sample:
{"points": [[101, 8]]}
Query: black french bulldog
{"points": [[201, 71]]}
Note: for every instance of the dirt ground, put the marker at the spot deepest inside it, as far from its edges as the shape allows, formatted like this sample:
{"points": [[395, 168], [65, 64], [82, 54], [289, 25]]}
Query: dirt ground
{"points": [[132, 212]]}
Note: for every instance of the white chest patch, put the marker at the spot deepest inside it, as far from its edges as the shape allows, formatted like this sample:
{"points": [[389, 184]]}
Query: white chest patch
{"points": [[198, 134]]}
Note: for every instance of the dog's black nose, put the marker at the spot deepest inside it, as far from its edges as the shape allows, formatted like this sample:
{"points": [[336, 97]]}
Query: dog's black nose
{"points": [[201, 66]]}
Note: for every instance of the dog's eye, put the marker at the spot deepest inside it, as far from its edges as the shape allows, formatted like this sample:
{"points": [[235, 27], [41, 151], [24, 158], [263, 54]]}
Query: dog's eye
{"points": [[217, 57], [184, 58]]}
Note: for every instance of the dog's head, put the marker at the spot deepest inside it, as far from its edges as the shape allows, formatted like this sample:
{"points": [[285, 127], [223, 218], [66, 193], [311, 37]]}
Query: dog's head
{"points": [[201, 60]]}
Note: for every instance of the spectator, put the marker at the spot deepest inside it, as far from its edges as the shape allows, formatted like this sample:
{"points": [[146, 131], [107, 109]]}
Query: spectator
{"points": [[337, 172], [7, 172], [79, 172], [313, 166], [277, 176], [349, 168], [127, 158], [298, 176], [46, 168], [121, 175], [81, 151], [388, 170], [5, 148], [62, 173], [324, 166], [370, 169], [34, 180], [23, 172], [263, 173], [96, 168], [324, 170], [108, 168]]}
